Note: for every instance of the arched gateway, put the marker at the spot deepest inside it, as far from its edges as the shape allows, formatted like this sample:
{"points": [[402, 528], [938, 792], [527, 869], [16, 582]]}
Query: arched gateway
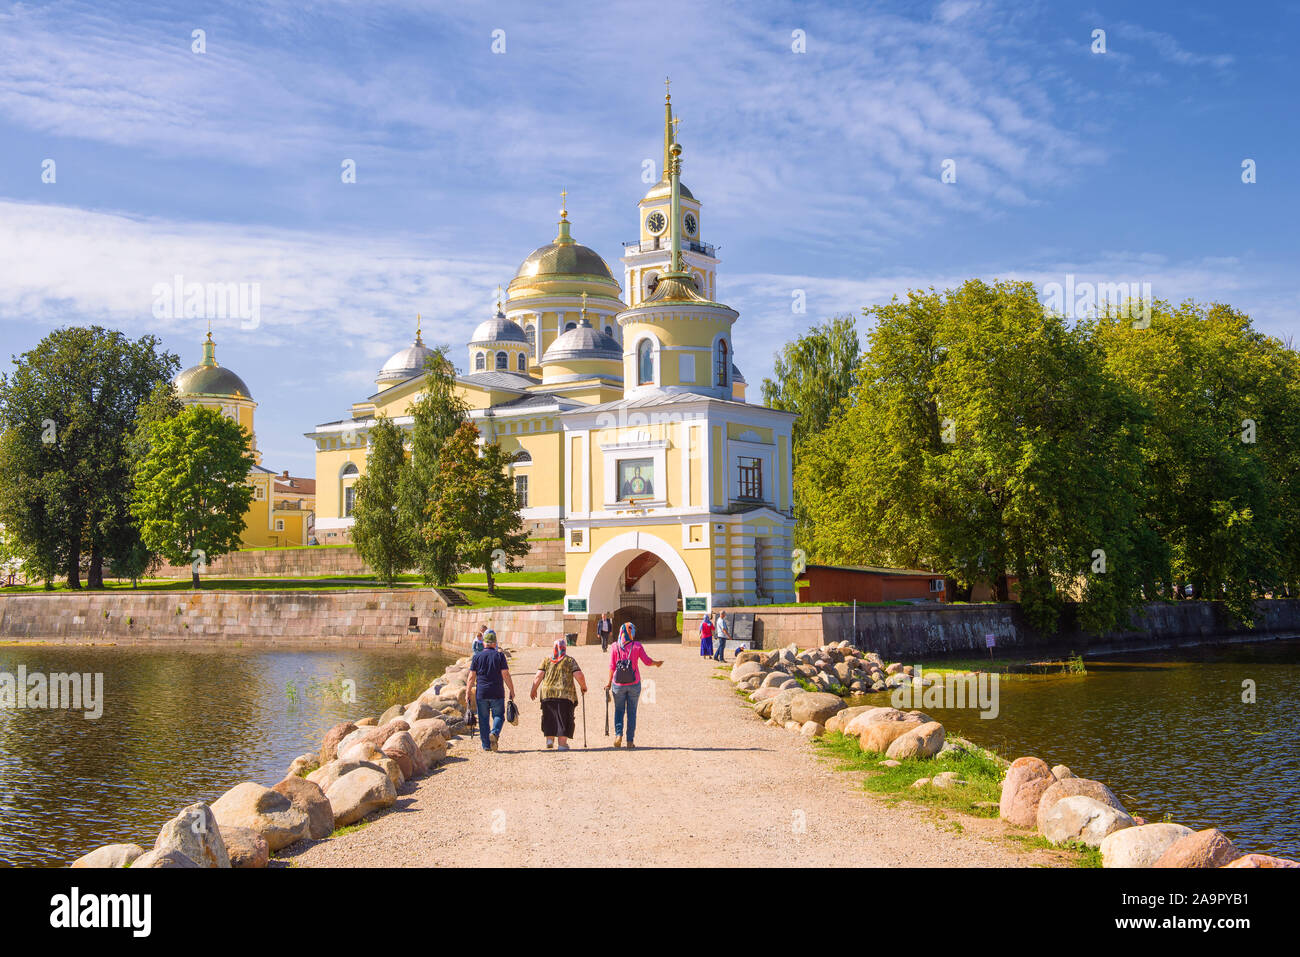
{"points": [[639, 578]]}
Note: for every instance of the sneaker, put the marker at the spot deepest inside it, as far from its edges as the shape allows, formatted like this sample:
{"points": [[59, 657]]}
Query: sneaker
{"points": [[618, 741], [549, 744], [495, 741], [562, 747]]}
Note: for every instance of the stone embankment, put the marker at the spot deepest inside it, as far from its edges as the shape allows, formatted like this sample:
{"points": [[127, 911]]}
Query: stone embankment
{"points": [[356, 773], [801, 691]]}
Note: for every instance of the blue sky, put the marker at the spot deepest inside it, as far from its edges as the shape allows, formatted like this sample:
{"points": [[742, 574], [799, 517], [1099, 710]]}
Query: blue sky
{"points": [[819, 171]]}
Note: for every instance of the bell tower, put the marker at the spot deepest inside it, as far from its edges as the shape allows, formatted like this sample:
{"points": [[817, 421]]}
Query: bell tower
{"points": [[646, 258]]}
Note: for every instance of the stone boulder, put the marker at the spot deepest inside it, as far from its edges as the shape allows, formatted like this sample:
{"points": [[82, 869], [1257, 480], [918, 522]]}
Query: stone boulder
{"points": [[401, 748], [268, 812], [195, 834], [839, 721], [946, 779], [431, 736], [360, 751], [773, 679], [1207, 848], [329, 747], [162, 859], [1026, 780], [878, 736], [815, 707], [394, 712], [308, 797], [358, 794], [367, 722], [1140, 846], [418, 711], [327, 774], [303, 765], [812, 729], [1072, 787], [1262, 860], [781, 704], [744, 669], [762, 693], [922, 742], [247, 849], [110, 855], [1084, 819], [1061, 772]]}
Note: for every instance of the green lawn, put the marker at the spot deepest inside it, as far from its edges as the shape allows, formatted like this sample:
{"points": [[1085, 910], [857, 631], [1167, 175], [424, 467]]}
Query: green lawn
{"points": [[511, 595], [501, 577]]}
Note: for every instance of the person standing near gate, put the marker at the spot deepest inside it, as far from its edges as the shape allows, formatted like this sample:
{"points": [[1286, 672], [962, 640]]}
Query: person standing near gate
{"points": [[605, 627], [721, 632], [706, 637]]}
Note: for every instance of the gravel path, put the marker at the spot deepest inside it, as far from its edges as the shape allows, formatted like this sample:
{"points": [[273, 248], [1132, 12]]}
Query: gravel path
{"points": [[709, 784]]}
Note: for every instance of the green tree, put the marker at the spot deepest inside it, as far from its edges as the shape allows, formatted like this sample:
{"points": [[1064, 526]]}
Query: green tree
{"points": [[378, 532], [68, 410], [438, 413], [1218, 480], [984, 439], [190, 489], [475, 515], [815, 376]]}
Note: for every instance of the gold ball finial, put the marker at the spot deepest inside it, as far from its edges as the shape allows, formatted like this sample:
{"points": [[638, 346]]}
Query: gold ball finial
{"points": [[667, 92], [564, 204]]}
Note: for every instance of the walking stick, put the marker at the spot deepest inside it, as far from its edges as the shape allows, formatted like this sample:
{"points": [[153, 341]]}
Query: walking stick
{"points": [[607, 712], [584, 719]]}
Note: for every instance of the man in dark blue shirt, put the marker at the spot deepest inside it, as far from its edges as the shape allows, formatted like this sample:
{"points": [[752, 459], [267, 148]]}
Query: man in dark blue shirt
{"points": [[489, 677]]}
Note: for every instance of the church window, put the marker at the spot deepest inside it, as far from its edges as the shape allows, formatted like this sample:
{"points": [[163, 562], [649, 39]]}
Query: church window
{"points": [[531, 333], [349, 501], [645, 363], [609, 331], [279, 525], [750, 479], [521, 490], [523, 363], [723, 364], [570, 325], [480, 363], [259, 493], [503, 361]]}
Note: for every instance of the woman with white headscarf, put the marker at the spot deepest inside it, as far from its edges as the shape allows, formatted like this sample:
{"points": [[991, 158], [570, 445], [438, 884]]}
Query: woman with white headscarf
{"points": [[559, 677]]}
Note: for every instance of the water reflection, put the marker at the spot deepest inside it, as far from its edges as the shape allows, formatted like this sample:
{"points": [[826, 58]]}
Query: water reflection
{"points": [[1169, 733], [177, 727]]}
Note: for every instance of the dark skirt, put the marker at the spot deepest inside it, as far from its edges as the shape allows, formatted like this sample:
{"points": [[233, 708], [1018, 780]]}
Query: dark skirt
{"points": [[557, 717]]}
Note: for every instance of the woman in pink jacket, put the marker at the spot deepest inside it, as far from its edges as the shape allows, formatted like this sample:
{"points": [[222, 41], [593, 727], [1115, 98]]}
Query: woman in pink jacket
{"points": [[625, 676]]}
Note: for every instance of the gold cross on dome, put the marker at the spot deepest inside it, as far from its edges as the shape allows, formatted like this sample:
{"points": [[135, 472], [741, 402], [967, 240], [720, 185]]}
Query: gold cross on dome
{"points": [[564, 202], [498, 298], [667, 92]]}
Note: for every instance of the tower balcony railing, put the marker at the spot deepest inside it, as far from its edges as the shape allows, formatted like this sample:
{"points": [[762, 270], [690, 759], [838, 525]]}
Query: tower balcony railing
{"points": [[664, 243]]}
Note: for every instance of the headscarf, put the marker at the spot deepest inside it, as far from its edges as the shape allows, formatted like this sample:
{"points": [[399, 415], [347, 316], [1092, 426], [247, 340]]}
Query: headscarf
{"points": [[490, 638], [559, 649], [626, 635]]}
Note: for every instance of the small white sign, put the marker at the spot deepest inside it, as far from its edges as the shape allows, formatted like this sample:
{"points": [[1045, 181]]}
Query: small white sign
{"points": [[990, 641]]}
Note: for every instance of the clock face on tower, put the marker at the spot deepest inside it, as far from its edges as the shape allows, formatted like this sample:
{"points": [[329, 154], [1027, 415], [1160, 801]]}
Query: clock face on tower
{"points": [[655, 223], [690, 224]]}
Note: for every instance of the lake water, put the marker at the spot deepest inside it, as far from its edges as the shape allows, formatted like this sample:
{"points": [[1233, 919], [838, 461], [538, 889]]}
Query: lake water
{"points": [[177, 727], [1169, 733]]}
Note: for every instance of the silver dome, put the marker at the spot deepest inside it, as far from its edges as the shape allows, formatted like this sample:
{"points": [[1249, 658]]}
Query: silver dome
{"points": [[498, 329], [583, 342], [405, 364]]}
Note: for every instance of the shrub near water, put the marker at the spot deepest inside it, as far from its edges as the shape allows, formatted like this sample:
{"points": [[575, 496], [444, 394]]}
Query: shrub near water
{"points": [[982, 774]]}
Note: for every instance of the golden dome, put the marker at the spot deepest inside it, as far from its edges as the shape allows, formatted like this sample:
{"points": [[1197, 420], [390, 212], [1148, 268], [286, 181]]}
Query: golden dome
{"points": [[564, 259], [208, 378], [663, 190]]}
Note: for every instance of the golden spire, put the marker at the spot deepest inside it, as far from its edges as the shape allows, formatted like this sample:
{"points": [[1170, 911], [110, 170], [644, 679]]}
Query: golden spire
{"points": [[668, 128], [498, 298], [675, 179], [563, 237], [418, 340], [584, 308]]}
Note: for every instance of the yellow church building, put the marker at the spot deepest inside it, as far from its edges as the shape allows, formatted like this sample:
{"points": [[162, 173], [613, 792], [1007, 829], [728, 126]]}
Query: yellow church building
{"points": [[283, 507], [627, 418]]}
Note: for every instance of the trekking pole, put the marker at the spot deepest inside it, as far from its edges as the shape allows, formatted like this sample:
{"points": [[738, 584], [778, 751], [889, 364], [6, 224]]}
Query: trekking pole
{"points": [[607, 712]]}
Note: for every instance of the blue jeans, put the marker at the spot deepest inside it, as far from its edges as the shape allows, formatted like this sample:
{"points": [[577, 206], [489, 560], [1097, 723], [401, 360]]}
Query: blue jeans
{"points": [[625, 699], [721, 653], [496, 708]]}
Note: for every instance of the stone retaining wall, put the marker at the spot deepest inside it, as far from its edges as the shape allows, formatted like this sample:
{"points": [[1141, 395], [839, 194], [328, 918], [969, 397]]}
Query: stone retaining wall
{"points": [[545, 555], [926, 630], [517, 626], [352, 619]]}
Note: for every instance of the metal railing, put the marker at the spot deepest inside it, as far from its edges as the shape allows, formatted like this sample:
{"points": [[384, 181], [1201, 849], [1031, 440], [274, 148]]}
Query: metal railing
{"points": [[664, 243]]}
